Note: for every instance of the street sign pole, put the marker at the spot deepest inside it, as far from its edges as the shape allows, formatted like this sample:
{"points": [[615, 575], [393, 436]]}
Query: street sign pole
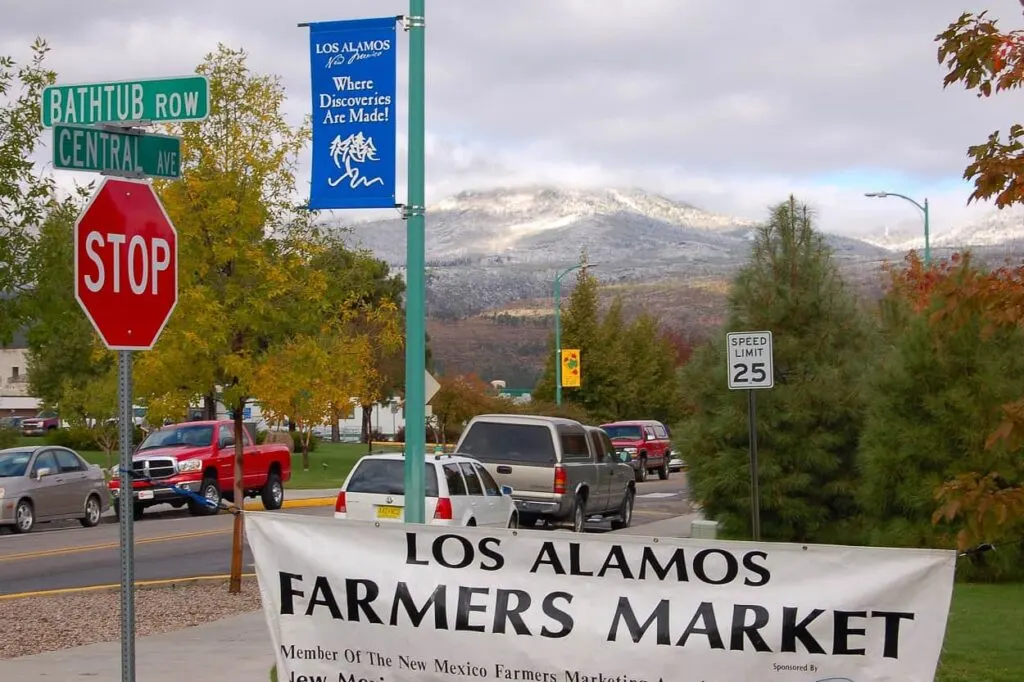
{"points": [[415, 303], [127, 517], [751, 366], [755, 492]]}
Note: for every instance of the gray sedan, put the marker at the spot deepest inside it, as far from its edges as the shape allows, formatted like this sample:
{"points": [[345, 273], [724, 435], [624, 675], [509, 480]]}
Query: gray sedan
{"points": [[49, 483]]}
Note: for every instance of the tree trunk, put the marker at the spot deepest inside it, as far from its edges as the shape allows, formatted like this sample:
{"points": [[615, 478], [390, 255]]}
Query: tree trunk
{"points": [[305, 449], [367, 427], [335, 429], [210, 406], [235, 583]]}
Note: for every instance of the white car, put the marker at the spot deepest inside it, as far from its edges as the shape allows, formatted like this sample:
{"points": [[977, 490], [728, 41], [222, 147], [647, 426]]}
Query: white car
{"points": [[675, 462], [459, 492]]}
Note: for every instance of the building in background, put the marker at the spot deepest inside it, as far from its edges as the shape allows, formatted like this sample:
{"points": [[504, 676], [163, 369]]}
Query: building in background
{"points": [[14, 398]]}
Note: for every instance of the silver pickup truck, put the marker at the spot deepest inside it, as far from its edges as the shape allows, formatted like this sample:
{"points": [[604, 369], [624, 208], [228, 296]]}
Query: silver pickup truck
{"points": [[559, 470]]}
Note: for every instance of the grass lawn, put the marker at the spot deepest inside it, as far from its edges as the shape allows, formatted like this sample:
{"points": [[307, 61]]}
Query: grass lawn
{"points": [[985, 635], [329, 464]]}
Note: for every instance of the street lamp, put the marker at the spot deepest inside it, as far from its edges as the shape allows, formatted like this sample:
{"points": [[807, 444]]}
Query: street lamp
{"points": [[558, 327], [924, 209]]}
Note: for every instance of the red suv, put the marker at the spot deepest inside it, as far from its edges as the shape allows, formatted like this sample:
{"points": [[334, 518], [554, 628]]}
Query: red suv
{"points": [[643, 443]]}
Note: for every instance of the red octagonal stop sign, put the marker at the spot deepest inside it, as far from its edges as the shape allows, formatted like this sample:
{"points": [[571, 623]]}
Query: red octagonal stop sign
{"points": [[126, 264]]}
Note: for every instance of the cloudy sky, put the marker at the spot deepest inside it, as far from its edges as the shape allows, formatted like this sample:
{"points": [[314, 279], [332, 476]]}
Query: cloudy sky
{"points": [[727, 105]]}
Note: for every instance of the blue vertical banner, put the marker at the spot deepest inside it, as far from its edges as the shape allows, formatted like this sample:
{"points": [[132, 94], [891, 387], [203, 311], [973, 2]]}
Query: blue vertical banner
{"points": [[354, 77]]}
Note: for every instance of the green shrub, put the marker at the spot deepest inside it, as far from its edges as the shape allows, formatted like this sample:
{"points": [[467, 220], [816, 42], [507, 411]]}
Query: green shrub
{"points": [[8, 438], [83, 438], [75, 437], [297, 439]]}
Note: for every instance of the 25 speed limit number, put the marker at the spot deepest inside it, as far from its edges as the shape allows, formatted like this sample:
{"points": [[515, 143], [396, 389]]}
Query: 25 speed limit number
{"points": [[750, 360]]}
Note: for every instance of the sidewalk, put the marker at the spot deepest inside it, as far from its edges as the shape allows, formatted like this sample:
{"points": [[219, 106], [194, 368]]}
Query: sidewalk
{"points": [[294, 499], [236, 649]]}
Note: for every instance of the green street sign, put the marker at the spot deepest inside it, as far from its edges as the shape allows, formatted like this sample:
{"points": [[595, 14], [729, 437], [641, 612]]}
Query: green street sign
{"points": [[97, 150], [183, 98]]}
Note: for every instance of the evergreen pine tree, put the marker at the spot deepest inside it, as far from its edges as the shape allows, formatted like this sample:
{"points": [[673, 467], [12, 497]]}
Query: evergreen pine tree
{"points": [[808, 424]]}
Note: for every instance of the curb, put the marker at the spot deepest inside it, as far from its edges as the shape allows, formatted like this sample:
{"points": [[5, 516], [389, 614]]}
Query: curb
{"points": [[256, 505], [117, 586]]}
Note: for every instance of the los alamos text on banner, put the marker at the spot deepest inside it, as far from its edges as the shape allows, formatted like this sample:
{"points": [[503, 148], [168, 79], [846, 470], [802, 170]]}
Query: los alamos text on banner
{"points": [[349, 601]]}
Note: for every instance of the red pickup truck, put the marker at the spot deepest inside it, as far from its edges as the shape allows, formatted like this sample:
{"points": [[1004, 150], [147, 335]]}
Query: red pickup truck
{"points": [[200, 457]]}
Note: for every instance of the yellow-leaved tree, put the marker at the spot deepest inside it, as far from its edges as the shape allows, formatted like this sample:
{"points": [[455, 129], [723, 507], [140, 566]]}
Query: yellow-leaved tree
{"points": [[305, 378], [244, 249]]}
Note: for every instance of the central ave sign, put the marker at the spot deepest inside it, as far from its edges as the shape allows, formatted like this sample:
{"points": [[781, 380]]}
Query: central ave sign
{"points": [[126, 264], [83, 148], [505, 604]]}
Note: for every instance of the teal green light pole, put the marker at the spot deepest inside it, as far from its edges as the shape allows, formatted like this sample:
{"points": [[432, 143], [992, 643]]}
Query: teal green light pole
{"points": [[558, 327], [923, 208], [415, 263]]}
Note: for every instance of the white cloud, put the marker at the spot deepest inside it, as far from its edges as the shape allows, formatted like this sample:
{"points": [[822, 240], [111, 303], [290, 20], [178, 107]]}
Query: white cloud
{"points": [[725, 107]]}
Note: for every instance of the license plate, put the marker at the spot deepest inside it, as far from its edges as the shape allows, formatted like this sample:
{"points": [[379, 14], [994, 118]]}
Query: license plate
{"points": [[389, 512], [145, 494]]}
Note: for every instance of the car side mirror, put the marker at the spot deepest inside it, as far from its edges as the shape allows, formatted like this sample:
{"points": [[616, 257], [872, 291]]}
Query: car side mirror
{"points": [[43, 471], [506, 490]]}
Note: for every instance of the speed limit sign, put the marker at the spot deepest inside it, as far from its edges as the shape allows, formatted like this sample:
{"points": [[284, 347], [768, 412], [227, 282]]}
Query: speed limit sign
{"points": [[750, 360]]}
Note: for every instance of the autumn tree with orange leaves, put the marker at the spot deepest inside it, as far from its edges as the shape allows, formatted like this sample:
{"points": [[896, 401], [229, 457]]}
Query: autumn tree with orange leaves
{"points": [[933, 402], [988, 501]]}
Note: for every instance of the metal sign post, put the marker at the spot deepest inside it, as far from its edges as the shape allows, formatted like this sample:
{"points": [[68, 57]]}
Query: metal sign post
{"points": [[127, 517], [751, 366]]}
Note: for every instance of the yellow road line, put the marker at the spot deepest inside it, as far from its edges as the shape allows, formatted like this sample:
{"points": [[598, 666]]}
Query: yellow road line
{"points": [[61, 551], [117, 586], [256, 505]]}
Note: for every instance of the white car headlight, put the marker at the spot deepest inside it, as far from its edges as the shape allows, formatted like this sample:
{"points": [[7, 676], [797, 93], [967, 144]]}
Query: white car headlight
{"points": [[194, 464], [631, 451]]}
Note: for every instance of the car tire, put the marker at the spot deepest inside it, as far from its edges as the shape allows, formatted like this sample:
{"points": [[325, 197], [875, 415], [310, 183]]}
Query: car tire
{"points": [[663, 471], [625, 511], [24, 517], [527, 520], [272, 494], [641, 474], [579, 514], [93, 512], [514, 521], [211, 491]]}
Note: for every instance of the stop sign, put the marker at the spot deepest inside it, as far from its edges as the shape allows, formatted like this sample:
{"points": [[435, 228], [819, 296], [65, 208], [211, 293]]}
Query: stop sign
{"points": [[126, 264]]}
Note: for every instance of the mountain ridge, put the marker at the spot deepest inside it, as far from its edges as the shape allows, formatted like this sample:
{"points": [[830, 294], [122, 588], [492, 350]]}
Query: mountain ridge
{"points": [[493, 254]]}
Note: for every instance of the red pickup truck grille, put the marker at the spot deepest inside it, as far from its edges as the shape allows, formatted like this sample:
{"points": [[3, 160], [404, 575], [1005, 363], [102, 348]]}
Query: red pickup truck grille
{"points": [[155, 468]]}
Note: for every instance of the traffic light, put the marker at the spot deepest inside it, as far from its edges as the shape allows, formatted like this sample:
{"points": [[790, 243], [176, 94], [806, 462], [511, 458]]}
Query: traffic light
{"points": [[571, 367]]}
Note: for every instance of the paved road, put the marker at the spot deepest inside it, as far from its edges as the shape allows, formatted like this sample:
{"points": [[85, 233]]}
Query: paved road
{"points": [[175, 545]]}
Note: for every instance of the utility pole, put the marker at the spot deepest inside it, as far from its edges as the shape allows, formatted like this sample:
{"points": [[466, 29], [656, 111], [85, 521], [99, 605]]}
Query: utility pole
{"points": [[415, 294]]}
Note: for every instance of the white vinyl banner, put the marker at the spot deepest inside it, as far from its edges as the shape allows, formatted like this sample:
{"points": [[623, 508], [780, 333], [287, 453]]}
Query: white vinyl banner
{"points": [[350, 601]]}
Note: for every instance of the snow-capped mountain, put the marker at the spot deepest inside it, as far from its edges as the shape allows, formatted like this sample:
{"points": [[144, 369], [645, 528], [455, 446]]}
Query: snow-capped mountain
{"points": [[488, 248], [1000, 228]]}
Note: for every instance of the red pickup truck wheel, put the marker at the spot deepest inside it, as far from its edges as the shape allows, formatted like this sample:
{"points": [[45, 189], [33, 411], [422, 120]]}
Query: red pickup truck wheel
{"points": [[272, 494], [211, 491]]}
